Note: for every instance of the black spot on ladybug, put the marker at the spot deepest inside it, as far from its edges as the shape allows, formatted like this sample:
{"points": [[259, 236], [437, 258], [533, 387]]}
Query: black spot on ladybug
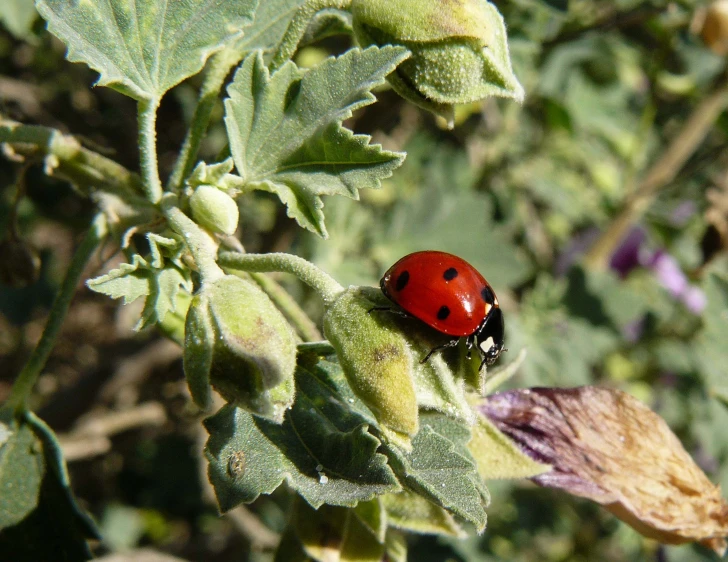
{"points": [[450, 274], [443, 313], [402, 280], [487, 294]]}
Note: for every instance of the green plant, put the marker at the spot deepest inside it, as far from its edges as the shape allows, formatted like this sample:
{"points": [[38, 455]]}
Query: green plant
{"points": [[372, 443]]}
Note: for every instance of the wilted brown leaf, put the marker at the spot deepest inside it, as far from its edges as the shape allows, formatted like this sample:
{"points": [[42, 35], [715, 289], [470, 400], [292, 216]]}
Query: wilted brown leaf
{"points": [[607, 446]]}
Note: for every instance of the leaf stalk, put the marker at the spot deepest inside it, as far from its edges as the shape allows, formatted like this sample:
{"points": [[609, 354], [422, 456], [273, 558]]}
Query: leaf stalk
{"points": [[220, 66], [23, 385], [326, 286], [147, 118]]}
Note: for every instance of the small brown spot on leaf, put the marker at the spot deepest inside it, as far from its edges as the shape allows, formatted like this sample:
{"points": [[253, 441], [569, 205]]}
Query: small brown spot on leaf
{"points": [[384, 352]]}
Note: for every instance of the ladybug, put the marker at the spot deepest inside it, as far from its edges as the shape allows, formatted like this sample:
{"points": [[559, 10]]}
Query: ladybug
{"points": [[451, 296]]}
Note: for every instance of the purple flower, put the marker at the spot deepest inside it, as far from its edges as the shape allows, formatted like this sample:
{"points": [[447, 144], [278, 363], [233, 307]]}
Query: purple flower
{"points": [[627, 256], [694, 299], [668, 273], [632, 253]]}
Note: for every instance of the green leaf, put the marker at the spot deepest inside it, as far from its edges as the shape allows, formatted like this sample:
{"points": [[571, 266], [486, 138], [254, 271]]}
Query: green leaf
{"points": [[271, 21], [434, 219], [286, 135], [319, 532], [21, 471], [499, 457], [57, 529], [145, 48], [411, 512], [396, 546], [323, 448], [129, 281], [165, 285], [161, 286], [18, 16], [441, 469]]}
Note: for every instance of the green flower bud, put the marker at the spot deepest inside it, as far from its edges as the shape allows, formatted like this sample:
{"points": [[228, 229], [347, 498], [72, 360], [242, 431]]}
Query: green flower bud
{"points": [[214, 209], [19, 263], [375, 357], [237, 341], [459, 49]]}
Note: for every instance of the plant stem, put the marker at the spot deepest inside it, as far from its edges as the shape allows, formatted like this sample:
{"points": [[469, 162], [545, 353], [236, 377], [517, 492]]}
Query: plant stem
{"points": [[220, 66], [147, 117], [298, 25], [68, 160], [200, 243], [662, 172], [325, 285], [26, 379], [287, 304]]}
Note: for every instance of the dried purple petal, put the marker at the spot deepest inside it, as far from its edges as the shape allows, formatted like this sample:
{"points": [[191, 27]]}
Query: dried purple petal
{"points": [[607, 446]]}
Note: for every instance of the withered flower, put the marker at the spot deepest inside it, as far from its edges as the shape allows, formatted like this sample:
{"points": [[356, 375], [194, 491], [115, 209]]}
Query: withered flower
{"points": [[607, 446]]}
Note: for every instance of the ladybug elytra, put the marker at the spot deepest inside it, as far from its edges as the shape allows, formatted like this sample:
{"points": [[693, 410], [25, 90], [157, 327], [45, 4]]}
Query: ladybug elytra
{"points": [[451, 296]]}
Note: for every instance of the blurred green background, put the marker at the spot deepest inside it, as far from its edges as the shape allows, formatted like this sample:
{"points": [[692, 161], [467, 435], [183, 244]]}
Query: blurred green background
{"points": [[522, 192]]}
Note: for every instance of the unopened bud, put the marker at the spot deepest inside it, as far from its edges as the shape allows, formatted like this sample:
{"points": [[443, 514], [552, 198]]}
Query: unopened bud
{"points": [[238, 342]]}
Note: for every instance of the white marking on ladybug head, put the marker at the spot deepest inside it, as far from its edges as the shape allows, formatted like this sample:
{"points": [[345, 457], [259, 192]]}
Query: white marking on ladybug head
{"points": [[488, 306], [486, 344]]}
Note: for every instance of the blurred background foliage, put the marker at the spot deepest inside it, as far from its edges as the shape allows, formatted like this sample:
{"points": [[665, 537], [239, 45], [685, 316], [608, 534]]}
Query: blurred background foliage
{"points": [[522, 192]]}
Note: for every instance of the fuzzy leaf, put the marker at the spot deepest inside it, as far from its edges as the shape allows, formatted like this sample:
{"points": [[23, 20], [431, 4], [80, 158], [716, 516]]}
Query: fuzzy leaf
{"points": [[271, 20], [499, 457], [165, 285], [145, 48], [129, 281], [286, 135], [323, 449], [441, 469], [56, 529], [609, 447], [409, 511], [21, 471], [138, 279]]}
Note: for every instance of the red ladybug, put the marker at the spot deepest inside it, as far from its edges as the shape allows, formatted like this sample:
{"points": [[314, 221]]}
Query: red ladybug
{"points": [[448, 294]]}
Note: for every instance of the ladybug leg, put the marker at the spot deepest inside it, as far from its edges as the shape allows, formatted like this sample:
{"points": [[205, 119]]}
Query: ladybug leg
{"points": [[389, 309], [469, 343], [451, 343]]}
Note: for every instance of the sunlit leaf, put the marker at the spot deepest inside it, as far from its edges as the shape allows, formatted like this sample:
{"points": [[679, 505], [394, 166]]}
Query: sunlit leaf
{"points": [[145, 48], [499, 457], [271, 20], [136, 279], [286, 136], [323, 449], [441, 469], [411, 512]]}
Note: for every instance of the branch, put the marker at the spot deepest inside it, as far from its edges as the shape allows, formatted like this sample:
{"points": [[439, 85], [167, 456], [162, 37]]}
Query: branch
{"points": [[662, 172], [23, 385], [66, 159]]}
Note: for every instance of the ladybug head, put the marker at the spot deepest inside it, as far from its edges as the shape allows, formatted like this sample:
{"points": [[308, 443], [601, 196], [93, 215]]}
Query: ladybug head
{"points": [[489, 337]]}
